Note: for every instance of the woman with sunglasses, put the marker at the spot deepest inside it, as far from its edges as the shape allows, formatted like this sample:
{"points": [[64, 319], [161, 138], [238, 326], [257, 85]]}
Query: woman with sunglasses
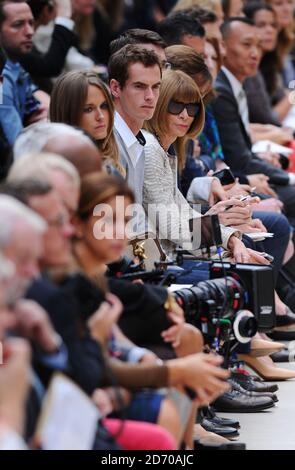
{"points": [[179, 116]]}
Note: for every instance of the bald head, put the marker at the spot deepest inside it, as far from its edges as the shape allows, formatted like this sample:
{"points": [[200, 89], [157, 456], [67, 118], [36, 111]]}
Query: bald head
{"points": [[232, 25], [61, 139], [83, 154]]}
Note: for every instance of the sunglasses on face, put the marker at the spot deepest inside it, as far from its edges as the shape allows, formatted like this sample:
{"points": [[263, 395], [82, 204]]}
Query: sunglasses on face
{"points": [[175, 107]]}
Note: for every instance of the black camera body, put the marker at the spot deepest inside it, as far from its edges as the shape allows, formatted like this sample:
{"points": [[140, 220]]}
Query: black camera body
{"points": [[258, 286], [235, 303]]}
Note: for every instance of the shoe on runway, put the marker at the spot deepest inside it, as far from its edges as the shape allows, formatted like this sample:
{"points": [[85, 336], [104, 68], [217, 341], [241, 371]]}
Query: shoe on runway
{"points": [[266, 370], [236, 386], [250, 383], [224, 431], [208, 412], [234, 401]]}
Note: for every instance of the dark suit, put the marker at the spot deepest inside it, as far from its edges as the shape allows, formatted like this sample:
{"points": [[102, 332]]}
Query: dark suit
{"points": [[237, 145]]}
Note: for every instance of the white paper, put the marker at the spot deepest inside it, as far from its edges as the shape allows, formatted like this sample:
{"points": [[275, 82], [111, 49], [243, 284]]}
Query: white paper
{"points": [[259, 235], [71, 418], [175, 287], [289, 121], [267, 145]]}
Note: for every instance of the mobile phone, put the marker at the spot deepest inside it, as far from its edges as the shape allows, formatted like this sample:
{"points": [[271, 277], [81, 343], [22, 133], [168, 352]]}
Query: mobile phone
{"points": [[225, 176]]}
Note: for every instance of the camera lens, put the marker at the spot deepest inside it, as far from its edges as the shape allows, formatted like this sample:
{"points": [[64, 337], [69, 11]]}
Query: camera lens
{"points": [[248, 327], [245, 326]]}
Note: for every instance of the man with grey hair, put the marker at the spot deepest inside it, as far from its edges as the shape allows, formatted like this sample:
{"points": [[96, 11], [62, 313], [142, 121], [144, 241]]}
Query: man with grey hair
{"points": [[61, 139], [21, 232], [53, 169], [21, 242]]}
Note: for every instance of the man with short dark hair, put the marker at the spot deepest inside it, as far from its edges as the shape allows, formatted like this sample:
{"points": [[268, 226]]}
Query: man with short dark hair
{"points": [[243, 53], [208, 20], [181, 28], [20, 106], [141, 37], [135, 78]]}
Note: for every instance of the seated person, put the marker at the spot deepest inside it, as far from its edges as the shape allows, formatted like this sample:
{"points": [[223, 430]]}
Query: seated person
{"points": [[20, 104]]}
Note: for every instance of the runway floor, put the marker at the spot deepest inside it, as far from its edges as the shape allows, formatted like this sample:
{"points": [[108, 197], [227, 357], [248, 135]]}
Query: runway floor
{"points": [[273, 429]]}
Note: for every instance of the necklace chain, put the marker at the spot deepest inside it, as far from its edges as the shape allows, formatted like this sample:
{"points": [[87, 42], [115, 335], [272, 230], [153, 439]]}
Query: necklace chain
{"points": [[159, 140]]}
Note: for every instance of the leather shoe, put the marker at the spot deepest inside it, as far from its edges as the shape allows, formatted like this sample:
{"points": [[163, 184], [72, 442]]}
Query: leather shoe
{"points": [[249, 382], [233, 401], [239, 388], [285, 323], [227, 422], [224, 431], [206, 445], [283, 356], [282, 335]]}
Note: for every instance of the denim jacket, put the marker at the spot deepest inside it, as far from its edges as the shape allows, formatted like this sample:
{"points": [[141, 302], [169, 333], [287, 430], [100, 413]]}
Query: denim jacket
{"points": [[18, 100]]}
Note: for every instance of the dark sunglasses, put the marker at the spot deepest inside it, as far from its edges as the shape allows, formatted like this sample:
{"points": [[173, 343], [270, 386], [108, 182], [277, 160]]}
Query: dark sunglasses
{"points": [[175, 107]]}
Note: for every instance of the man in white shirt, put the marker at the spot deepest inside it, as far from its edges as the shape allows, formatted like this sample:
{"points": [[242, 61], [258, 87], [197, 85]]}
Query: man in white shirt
{"points": [[135, 78]]}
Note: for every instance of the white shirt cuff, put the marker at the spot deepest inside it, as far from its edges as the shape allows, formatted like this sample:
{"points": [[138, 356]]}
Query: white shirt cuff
{"points": [[66, 22], [200, 188], [136, 354], [291, 179]]}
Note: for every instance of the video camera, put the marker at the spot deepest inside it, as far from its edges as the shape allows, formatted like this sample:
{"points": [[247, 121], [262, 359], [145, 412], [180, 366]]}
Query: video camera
{"points": [[236, 302]]}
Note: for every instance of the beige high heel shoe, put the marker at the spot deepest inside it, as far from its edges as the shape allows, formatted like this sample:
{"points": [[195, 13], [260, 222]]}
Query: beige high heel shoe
{"points": [[206, 437], [266, 369], [262, 347]]}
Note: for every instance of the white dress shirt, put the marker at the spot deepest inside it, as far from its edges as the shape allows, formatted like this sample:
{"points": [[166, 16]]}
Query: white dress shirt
{"points": [[240, 96], [134, 148]]}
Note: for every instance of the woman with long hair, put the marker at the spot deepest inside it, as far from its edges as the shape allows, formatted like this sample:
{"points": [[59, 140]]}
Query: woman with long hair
{"points": [[81, 99], [232, 8], [93, 253], [284, 10], [275, 48]]}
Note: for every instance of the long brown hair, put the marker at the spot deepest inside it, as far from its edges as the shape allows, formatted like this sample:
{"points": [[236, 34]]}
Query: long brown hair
{"points": [[184, 4], [285, 40], [68, 98], [272, 63], [98, 188], [178, 86]]}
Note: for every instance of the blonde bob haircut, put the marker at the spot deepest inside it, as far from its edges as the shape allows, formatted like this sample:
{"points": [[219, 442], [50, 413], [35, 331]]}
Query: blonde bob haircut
{"points": [[177, 86]]}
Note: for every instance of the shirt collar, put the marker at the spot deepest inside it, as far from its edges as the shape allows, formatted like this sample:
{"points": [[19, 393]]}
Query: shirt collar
{"points": [[124, 130], [236, 85]]}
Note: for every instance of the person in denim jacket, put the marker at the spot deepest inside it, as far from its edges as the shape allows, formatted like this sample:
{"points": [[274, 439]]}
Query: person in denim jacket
{"points": [[20, 106]]}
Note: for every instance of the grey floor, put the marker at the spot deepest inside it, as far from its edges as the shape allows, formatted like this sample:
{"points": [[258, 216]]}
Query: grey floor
{"points": [[273, 429]]}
